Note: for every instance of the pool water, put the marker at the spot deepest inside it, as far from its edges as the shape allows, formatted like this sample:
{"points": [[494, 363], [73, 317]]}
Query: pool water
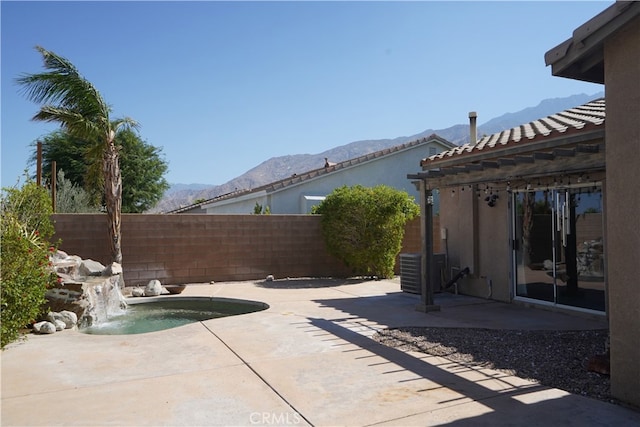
{"points": [[155, 314]]}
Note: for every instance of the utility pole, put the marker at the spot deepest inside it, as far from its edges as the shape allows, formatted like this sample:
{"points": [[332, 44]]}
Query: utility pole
{"points": [[39, 164], [53, 185]]}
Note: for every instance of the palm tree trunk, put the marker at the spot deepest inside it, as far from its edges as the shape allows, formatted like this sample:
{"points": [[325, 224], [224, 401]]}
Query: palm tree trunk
{"points": [[113, 199]]}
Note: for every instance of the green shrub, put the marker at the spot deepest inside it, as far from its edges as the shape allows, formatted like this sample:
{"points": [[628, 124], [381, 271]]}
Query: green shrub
{"points": [[364, 227], [259, 210], [25, 272]]}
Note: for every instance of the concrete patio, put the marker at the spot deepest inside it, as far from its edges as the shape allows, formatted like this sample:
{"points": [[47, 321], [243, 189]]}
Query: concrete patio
{"points": [[307, 360]]}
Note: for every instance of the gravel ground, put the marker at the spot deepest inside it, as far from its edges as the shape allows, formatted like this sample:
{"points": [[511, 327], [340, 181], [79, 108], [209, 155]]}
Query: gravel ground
{"points": [[553, 358]]}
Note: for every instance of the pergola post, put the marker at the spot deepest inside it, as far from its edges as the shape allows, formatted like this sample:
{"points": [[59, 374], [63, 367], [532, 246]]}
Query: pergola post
{"points": [[427, 278]]}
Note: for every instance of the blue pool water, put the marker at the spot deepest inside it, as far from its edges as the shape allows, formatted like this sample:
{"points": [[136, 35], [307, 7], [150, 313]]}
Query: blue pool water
{"points": [[155, 314]]}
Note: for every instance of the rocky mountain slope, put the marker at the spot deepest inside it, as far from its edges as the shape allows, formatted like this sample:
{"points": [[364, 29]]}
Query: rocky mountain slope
{"points": [[281, 167]]}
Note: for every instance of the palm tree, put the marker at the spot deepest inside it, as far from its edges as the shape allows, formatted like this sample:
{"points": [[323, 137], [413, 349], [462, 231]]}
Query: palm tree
{"points": [[73, 102]]}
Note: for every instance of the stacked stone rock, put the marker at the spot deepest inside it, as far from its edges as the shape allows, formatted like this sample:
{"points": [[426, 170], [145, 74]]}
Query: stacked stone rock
{"points": [[81, 283]]}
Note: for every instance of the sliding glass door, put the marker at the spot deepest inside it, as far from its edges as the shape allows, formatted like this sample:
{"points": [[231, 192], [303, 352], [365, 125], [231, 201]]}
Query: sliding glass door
{"points": [[558, 254]]}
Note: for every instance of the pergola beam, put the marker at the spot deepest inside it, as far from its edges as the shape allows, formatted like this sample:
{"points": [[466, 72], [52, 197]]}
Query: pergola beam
{"points": [[489, 164], [509, 169], [524, 159], [564, 152], [543, 156]]}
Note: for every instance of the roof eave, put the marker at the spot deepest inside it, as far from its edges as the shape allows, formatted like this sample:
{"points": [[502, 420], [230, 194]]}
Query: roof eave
{"points": [[582, 56], [589, 133]]}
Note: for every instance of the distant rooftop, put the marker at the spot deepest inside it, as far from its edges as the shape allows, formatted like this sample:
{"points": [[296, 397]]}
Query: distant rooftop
{"points": [[298, 178]]}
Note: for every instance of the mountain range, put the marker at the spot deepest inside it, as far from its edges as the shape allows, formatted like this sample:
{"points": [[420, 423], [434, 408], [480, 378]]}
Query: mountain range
{"points": [[281, 167]]}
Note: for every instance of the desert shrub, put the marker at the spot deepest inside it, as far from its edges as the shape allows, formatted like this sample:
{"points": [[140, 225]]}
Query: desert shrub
{"points": [[25, 272], [71, 198], [364, 227]]}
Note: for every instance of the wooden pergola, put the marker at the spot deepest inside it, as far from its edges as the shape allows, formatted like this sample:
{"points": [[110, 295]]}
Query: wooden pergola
{"points": [[543, 161]]}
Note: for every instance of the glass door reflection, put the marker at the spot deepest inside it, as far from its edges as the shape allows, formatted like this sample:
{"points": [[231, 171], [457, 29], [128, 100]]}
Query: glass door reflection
{"points": [[557, 247]]}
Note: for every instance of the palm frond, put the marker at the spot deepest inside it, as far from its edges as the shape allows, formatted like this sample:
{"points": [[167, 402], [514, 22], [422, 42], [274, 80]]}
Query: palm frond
{"points": [[62, 86], [75, 123], [124, 123]]}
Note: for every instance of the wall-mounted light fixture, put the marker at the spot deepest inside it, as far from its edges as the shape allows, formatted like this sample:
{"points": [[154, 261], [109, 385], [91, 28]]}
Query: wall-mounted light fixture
{"points": [[491, 200]]}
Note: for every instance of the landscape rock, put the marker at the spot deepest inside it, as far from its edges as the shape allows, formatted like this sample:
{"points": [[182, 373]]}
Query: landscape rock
{"points": [[60, 325], [44, 327], [90, 267], [52, 316], [66, 265], [153, 288], [82, 294], [63, 320], [112, 269], [137, 292], [69, 318]]}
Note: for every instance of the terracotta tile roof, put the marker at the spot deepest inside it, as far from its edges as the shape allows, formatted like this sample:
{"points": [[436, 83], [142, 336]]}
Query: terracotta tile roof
{"points": [[574, 120]]}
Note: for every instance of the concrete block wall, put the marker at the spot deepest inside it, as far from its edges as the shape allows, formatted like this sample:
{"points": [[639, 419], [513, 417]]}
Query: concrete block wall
{"points": [[202, 248], [589, 227]]}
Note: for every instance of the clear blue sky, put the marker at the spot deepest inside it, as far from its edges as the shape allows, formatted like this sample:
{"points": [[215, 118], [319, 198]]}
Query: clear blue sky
{"points": [[223, 86]]}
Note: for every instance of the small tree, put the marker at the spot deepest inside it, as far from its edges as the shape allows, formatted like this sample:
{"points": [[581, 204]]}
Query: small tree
{"points": [[71, 198], [364, 227], [143, 169], [259, 210], [25, 274], [142, 166]]}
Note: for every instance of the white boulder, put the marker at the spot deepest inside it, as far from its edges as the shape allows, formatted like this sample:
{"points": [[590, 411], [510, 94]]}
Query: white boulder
{"points": [[69, 318], [90, 267], [60, 325], [44, 327], [153, 288], [137, 292]]}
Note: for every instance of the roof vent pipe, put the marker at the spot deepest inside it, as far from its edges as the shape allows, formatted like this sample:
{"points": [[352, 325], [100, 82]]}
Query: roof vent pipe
{"points": [[473, 130]]}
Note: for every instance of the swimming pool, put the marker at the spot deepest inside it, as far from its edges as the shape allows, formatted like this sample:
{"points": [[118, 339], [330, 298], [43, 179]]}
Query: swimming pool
{"points": [[165, 312]]}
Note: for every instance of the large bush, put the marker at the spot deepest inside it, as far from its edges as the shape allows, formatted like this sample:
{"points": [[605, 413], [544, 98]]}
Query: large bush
{"points": [[364, 227], [25, 272]]}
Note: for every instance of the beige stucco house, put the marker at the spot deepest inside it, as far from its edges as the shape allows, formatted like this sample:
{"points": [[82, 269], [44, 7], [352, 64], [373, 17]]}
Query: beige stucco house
{"points": [[547, 213], [522, 210], [299, 193], [606, 50]]}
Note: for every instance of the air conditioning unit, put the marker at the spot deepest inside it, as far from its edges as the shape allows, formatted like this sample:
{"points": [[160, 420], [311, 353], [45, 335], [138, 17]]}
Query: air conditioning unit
{"points": [[411, 272]]}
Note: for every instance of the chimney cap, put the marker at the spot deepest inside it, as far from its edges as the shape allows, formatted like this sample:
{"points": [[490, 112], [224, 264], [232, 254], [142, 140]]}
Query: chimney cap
{"points": [[472, 114]]}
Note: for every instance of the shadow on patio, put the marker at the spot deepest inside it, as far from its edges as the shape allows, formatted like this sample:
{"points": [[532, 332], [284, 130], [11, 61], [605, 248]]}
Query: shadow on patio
{"points": [[468, 395]]}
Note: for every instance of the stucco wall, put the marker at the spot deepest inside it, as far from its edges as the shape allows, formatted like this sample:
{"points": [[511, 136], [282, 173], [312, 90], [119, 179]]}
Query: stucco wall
{"points": [[202, 248], [494, 254], [622, 69], [456, 216], [480, 243], [390, 170], [483, 245]]}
